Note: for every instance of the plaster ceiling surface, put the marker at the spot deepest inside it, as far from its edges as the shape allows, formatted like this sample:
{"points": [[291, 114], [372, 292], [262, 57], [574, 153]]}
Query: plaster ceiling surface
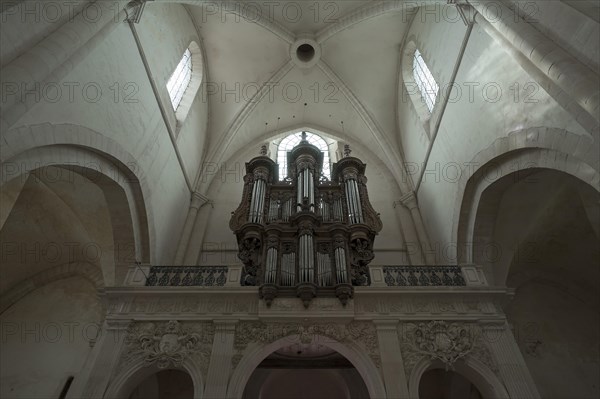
{"points": [[302, 16], [49, 227], [357, 71]]}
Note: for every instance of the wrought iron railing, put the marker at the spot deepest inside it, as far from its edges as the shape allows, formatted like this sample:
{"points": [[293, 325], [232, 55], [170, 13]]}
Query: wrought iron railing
{"points": [[423, 276], [182, 276], [216, 276]]}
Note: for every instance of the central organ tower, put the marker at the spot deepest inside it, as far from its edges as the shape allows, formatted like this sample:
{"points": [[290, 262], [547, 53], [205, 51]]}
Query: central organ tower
{"points": [[304, 235]]}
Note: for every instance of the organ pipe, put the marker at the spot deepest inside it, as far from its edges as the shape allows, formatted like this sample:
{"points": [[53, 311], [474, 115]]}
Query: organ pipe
{"points": [[337, 209], [306, 261], [252, 202], [357, 199], [311, 190], [299, 190], [271, 266], [349, 203], [324, 269], [288, 267], [340, 265], [353, 201]]}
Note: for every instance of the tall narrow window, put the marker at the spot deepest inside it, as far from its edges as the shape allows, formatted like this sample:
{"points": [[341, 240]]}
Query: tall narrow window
{"points": [[293, 140], [180, 79], [425, 82]]}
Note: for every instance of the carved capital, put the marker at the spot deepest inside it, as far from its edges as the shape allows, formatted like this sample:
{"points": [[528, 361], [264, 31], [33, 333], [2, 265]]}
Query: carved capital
{"points": [[408, 200], [225, 326], [199, 200], [134, 10], [386, 325]]}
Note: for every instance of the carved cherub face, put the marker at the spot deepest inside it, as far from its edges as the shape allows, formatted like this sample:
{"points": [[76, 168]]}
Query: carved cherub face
{"points": [[168, 343]]}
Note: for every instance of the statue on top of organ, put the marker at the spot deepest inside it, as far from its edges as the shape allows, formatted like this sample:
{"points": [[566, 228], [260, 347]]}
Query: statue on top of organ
{"points": [[305, 236]]}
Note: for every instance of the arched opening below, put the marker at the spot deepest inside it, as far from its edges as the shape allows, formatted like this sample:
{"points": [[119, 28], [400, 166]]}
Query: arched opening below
{"points": [[305, 371], [443, 384], [166, 384], [544, 223]]}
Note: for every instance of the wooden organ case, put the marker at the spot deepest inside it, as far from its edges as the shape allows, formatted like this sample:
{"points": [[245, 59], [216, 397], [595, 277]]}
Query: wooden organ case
{"points": [[305, 236]]}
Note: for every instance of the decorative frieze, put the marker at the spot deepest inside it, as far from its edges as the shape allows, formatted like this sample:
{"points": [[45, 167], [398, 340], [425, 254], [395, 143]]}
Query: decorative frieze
{"points": [[192, 305], [320, 305], [421, 303], [442, 341], [167, 344], [424, 305]]}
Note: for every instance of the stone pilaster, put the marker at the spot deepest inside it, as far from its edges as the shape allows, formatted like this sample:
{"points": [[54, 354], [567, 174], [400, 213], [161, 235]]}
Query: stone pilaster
{"points": [[219, 368], [196, 238], [392, 364], [513, 370], [198, 201], [104, 360], [409, 201]]}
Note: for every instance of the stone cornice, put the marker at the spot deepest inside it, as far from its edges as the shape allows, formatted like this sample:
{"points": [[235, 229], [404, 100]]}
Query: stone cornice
{"points": [[369, 303]]}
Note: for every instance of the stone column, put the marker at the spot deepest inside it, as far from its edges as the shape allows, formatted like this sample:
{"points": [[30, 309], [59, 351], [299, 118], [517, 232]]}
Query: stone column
{"points": [[198, 201], [414, 254], [513, 370], [219, 368], [409, 201], [194, 242], [103, 361], [396, 385], [570, 82]]}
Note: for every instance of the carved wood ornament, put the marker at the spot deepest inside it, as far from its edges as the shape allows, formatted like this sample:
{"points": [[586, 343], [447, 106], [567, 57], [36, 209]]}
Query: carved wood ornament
{"points": [[305, 236]]}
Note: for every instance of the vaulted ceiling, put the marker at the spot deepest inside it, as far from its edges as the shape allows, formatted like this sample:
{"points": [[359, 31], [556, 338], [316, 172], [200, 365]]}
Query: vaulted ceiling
{"points": [[256, 89]]}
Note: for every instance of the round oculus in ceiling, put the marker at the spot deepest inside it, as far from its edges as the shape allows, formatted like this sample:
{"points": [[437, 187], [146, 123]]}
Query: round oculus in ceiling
{"points": [[305, 52]]}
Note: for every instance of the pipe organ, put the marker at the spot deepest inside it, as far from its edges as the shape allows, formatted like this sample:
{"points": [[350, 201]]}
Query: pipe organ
{"points": [[305, 236]]}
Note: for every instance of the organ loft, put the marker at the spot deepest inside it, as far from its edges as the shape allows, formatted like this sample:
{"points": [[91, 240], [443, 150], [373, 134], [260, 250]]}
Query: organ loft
{"points": [[305, 235]]}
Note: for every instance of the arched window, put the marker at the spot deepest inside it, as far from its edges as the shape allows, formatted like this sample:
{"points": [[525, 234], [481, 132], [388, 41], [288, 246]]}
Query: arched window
{"points": [[185, 82], [293, 140], [180, 79], [424, 79]]}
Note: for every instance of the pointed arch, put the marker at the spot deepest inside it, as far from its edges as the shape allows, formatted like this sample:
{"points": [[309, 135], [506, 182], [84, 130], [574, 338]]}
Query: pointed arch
{"points": [[537, 147]]}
